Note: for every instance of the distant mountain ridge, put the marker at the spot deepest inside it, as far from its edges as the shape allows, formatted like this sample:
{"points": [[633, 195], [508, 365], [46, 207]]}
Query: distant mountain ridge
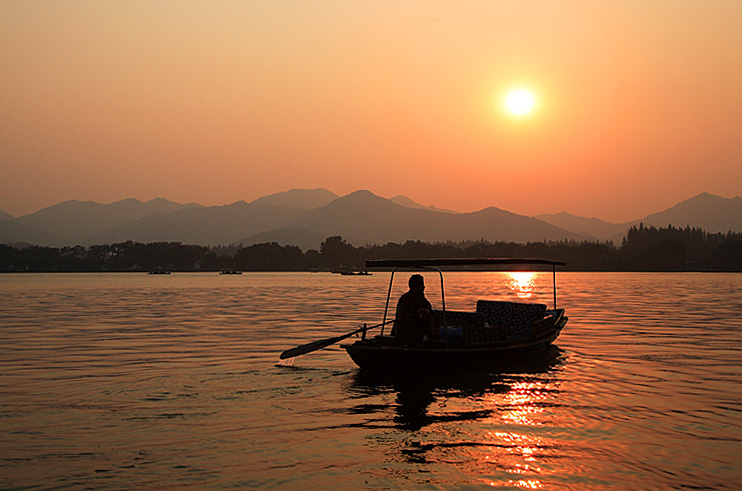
{"points": [[709, 212], [213, 225], [305, 217], [303, 199], [73, 220], [371, 219], [405, 201], [591, 227], [6, 217], [12, 232]]}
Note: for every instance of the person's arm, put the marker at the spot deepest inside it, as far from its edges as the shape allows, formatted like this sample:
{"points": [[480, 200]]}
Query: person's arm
{"points": [[428, 305], [399, 313]]}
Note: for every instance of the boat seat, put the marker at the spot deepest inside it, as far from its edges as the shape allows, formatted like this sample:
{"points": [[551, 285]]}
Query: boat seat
{"points": [[518, 318]]}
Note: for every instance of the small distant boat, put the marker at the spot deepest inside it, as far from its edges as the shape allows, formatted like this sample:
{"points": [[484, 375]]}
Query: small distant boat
{"points": [[230, 271], [350, 272], [159, 271]]}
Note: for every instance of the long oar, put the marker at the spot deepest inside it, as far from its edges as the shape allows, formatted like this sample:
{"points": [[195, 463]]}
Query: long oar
{"points": [[324, 343]]}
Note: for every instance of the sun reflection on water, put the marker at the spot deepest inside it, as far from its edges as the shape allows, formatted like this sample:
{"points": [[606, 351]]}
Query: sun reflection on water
{"points": [[522, 283], [517, 452], [524, 402], [528, 484]]}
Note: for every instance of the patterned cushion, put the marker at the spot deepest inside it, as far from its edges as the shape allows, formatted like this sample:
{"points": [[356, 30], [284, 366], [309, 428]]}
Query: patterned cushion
{"points": [[518, 318]]}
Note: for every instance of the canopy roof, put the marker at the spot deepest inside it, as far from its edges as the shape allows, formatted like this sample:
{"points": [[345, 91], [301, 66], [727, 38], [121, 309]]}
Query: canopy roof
{"points": [[468, 261]]}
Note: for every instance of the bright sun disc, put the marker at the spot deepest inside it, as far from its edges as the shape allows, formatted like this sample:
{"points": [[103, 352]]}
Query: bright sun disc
{"points": [[519, 102]]}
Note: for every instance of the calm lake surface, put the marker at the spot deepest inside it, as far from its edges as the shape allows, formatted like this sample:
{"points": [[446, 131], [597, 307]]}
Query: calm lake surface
{"points": [[123, 381]]}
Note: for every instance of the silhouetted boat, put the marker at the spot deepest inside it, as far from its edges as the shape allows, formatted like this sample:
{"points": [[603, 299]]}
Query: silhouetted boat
{"points": [[350, 272], [159, 271], [495, 332], [230, 271]]}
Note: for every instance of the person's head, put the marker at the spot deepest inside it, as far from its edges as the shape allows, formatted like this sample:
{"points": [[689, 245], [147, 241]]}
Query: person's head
{"points": [[417, 282]]}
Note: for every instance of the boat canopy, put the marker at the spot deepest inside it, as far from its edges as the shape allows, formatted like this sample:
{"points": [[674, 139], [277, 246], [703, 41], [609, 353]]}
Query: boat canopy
{"points": [[467, 261], [436, 263]]}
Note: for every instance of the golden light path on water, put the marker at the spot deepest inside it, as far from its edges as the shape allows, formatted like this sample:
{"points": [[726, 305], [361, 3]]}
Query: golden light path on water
{"points": [[522, 283], [525, 402]]}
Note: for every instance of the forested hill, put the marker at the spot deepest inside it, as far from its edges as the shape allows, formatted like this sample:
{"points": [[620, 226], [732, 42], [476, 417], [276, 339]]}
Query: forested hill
{"points": [[644, 249]]}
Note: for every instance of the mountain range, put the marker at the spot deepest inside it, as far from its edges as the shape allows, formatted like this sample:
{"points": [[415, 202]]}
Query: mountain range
{"points": [[306, 217]]}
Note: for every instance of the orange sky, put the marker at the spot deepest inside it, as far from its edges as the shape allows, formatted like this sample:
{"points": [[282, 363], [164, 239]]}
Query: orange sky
{"points": [[638, 102]]}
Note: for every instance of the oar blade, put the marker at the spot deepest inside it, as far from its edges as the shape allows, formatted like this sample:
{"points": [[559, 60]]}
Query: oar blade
{"points": [[324, 343], [309, 347]]}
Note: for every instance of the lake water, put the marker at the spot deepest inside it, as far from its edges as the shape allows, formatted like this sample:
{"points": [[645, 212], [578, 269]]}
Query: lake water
{"points": [[123, 381]]}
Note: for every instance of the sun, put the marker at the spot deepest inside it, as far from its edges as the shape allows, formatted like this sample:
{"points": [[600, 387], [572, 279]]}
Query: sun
{"points": [[520, 102]]}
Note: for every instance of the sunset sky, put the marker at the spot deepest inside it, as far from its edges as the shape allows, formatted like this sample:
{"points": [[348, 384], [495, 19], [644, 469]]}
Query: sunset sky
{"points": [[637, 105]]}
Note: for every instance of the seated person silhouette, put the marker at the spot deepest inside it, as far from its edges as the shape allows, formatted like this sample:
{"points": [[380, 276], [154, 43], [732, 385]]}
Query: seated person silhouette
{"points": [[414, 322]]}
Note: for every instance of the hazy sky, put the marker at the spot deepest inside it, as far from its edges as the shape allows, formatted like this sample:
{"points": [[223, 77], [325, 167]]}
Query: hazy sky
{"points": [[638, 103]]}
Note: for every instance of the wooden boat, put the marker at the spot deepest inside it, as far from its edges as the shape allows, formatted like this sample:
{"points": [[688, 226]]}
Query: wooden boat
{"points": [[495, 332], [350, 272]]}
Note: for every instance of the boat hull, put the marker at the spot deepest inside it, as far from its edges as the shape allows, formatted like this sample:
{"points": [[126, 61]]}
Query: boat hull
{"points": [[375, 355]]}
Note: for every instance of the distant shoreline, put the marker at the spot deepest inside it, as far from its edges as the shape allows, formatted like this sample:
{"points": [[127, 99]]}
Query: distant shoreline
{"points": [[645, 249]]}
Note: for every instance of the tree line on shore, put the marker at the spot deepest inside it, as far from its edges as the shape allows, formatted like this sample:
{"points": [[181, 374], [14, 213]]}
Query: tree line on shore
{"points": [[643, 249]]}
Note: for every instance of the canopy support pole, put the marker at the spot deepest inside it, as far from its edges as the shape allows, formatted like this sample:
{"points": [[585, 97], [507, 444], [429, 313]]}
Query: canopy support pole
{"points": [[555, 304], [388, 296]]}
